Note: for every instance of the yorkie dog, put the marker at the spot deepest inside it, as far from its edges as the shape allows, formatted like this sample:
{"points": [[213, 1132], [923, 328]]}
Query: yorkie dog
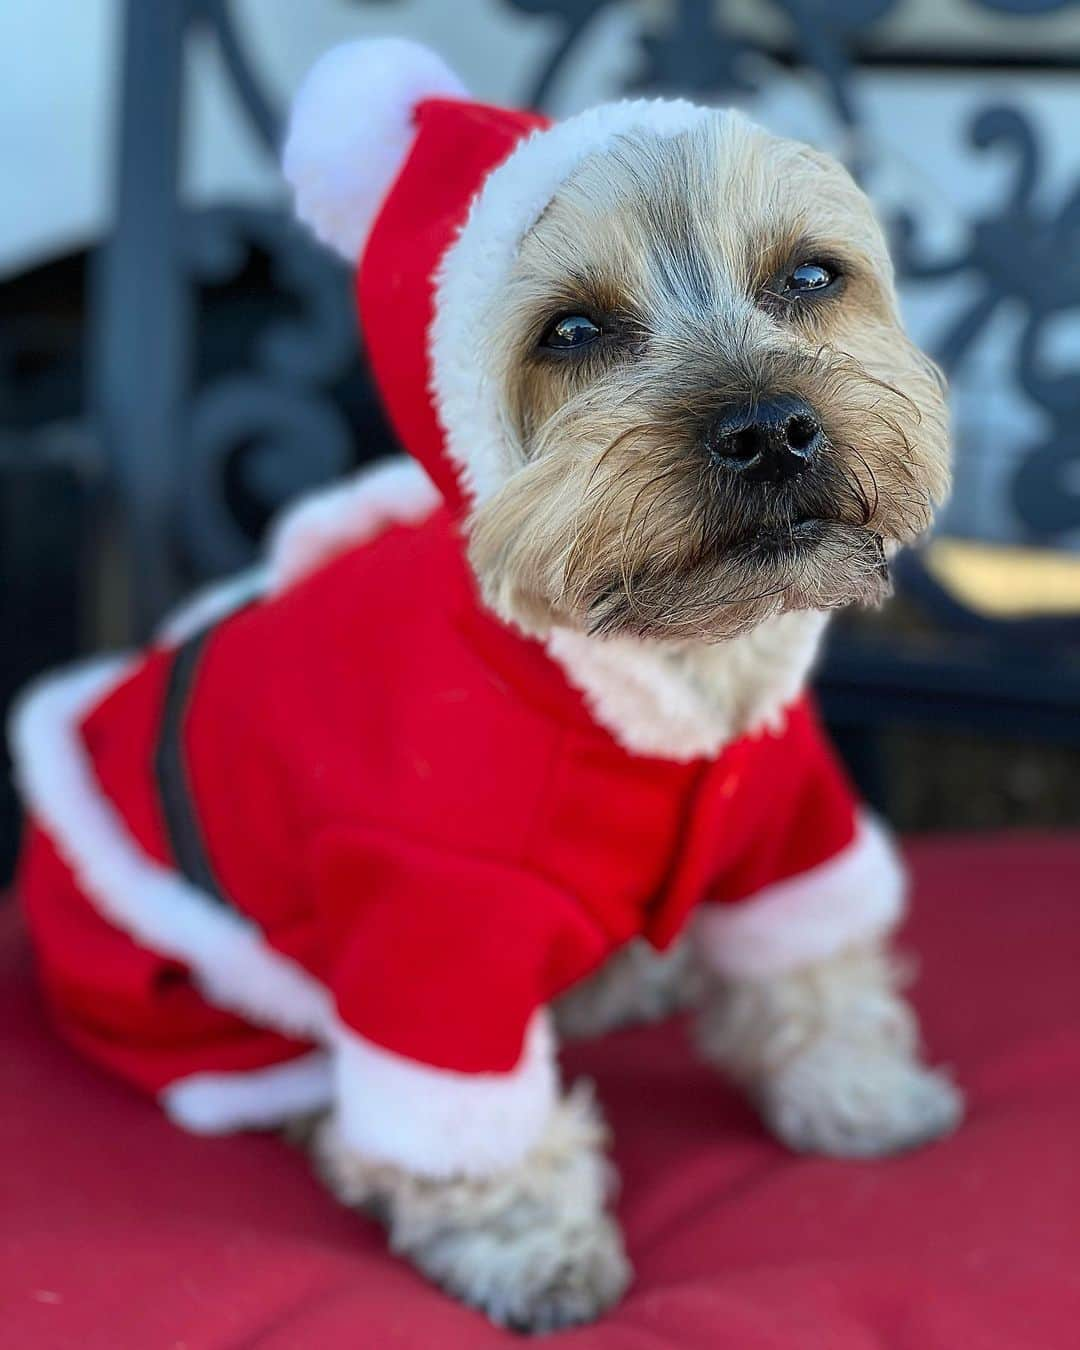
{"points": [[468, 736]]}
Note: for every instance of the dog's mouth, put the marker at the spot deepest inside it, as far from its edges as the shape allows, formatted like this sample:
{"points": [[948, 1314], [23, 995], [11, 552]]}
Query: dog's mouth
{"points": [[800, 538], [808, 563], [813, 562]]}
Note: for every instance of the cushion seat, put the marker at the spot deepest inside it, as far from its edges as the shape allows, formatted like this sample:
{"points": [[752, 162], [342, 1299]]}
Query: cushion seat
{"points": [[118, 1231]]}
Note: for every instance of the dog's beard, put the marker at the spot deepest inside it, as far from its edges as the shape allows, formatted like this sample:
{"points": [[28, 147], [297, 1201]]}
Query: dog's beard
{"points": [[643, 534], [814, 564], [711, 559], [681, 552]]}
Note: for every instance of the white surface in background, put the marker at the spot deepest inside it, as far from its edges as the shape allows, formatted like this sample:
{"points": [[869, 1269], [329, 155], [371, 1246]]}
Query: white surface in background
{"points": [[56, 61], [59, 74]]}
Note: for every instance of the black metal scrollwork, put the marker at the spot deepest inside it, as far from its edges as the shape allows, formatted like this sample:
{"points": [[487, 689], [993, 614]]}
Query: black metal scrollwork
{"points": [[1029, 256], [577, 17], [1023, 7], [695, 48], [257, 391], [824, 32], [259, 434], [689, 52], [285, 410]]}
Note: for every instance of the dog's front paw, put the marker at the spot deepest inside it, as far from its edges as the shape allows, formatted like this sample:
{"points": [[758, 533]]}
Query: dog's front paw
{"points": [[540, 1279], [837, 1099], [532, 1246]]}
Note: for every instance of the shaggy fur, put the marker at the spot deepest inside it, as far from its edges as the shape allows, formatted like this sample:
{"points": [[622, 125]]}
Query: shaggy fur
{"points": [[831, 1054], [616, 521], [687, 605], [533, 1246]]}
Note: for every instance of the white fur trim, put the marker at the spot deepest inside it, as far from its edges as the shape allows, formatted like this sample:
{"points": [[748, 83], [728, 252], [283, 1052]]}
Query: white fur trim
{"points": [[229, 960], [309, 533], [687, 701], [855, 896], [394, 492], [220, 1103], [474, 269], [428, 1120], [210, 604], [351, 130], [439, 1122]]}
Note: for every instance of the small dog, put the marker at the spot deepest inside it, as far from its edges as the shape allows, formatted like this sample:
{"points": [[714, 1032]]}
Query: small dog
{"points": [[674, 422]]}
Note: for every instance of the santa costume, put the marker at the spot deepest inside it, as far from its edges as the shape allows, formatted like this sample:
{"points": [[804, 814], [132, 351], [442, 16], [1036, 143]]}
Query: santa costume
{"points": [[340, 836]]}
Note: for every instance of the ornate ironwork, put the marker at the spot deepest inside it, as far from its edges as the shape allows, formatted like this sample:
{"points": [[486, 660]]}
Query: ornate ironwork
{"points": [[1026, 255], [229, 444], [224, 371], [267, 429], [227, 448], [1026, 6], [695, 49]]}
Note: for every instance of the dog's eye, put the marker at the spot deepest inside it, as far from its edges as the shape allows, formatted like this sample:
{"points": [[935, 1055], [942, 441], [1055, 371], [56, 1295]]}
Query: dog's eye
{"points": [[570, 332], [809, 277]]}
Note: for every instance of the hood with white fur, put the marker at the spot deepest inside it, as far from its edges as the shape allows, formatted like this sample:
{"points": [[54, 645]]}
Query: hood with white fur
{"points": [[429, 195]]}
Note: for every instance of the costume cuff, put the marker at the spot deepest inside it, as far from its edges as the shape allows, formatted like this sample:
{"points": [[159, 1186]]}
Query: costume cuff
{"points": [[260, 1099], [856, 895], [439, 1122]]}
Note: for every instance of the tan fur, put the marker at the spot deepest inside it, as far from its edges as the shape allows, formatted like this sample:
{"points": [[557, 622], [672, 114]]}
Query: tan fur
{"points": [[613, 519], [533, 1246], [831, 1054]]}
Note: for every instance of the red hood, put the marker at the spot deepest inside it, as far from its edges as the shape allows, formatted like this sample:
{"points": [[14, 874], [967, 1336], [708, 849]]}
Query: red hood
{"points": [[457, 145]]}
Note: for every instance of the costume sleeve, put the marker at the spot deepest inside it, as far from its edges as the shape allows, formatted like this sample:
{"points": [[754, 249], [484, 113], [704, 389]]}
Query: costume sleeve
{"points": [[818, 872], [441, 969]]}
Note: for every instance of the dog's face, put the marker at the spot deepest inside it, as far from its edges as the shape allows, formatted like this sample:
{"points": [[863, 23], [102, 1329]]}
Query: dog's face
{"points": [[714, 414]]}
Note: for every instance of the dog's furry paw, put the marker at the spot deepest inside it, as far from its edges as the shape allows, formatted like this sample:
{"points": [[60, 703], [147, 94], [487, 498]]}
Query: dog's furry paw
{"points": [[539, 1279], [532, 1246], [838, 1099]]}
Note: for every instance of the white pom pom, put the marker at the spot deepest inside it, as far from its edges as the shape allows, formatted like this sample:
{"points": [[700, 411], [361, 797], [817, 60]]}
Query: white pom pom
{"points": [[351, 130]]}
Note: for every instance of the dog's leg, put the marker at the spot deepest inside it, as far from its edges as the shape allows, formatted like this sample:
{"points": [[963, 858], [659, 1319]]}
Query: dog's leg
{"points": [[637, 984], [830, 1053], [532, 1246]]}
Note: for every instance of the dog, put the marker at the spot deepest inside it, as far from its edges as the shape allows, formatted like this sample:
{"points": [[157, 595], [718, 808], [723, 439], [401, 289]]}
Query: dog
{"points": [[330, 850]]}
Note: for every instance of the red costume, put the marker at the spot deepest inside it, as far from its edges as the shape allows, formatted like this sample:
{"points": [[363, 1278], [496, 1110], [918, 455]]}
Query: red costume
{"points": [[341, 835]]}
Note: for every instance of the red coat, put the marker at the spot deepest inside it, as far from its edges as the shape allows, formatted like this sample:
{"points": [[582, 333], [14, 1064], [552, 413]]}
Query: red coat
{"points": [[346, 842], [412, 805]]}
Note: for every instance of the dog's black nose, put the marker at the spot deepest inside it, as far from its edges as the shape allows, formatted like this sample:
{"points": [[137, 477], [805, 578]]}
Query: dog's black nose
{"points": [[768, 443]]}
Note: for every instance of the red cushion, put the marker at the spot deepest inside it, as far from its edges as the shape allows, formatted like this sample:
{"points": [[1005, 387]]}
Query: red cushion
{"points": [[118, 1231]]}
